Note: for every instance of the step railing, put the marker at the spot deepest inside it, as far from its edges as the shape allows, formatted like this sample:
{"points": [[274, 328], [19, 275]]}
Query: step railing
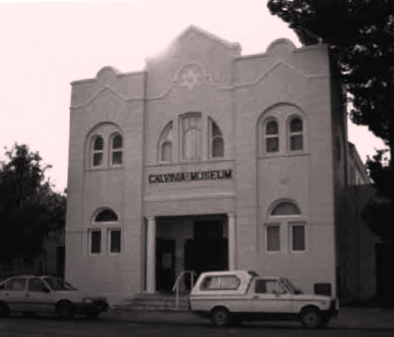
{"points": [[178, 283]]}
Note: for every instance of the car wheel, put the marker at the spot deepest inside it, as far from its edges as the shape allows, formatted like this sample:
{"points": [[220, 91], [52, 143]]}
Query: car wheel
{"points": [[64, 309], [311, 318], [4, 310], [220, 317]]}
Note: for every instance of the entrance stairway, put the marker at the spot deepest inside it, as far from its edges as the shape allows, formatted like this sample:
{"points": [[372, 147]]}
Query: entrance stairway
{"points": [[154, 302]]}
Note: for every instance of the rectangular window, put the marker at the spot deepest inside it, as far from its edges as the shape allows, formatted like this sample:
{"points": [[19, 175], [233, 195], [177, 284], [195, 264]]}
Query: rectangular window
{"points": [[115, 241], [95, 242], [97, 159], [296, 143], [297, 237], [272, 238], [272, 144], [117, 158]]}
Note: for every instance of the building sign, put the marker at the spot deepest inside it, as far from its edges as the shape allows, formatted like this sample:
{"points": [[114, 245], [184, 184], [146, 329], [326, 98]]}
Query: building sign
{"points": [[190, 176]]}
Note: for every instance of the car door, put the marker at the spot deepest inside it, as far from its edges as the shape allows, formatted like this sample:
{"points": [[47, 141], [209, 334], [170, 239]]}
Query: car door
{"points": [[38, 298], [270, 297], [15, 294]]}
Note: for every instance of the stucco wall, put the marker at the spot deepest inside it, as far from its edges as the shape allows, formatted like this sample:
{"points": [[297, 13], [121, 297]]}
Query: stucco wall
{"points": [[236, 93]]}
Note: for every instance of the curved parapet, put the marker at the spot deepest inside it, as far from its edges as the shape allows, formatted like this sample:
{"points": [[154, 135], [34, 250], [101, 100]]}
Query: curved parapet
{"points": [[281, 46], [107, 74]]}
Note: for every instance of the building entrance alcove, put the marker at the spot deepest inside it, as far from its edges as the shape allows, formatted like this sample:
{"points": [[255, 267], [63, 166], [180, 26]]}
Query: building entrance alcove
{"points": [[197, 243]]}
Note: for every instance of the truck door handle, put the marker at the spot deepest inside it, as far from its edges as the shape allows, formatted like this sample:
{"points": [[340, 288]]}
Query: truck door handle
{"points": [[255, 297], [27, 295]]}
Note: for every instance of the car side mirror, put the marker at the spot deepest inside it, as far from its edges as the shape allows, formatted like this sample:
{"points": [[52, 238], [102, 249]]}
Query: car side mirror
{"points": [[45, 290]]}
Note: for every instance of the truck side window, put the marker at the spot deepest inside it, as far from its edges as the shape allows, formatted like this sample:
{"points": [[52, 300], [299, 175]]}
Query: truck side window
{"points": [[260, 287], [268, 287]]}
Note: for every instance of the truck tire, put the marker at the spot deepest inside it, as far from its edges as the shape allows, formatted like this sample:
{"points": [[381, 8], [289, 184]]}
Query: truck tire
{"points": [[311, 318], [220, 317]]}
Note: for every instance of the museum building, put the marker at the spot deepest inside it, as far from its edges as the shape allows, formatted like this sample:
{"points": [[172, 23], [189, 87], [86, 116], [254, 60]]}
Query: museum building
{"points": [[207, 160]]}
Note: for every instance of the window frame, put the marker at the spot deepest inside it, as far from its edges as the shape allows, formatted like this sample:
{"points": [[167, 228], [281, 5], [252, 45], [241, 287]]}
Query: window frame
{"points": [[295, 133], [291, 225], [266, 226], [90, 234], [166, 136], [165, 142], [267, 136], [198, 128], [212, 138], [109, 241], [116, 150], [93, 151]]}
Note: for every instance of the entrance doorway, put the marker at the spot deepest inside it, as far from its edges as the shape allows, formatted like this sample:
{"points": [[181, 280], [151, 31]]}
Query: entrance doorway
{"points": [[165, 264], [208, 250]]}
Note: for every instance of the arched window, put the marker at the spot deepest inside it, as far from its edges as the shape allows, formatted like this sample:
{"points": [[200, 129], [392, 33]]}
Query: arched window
{"points": [[271, 138], [285, 215], [106, 215], [165, 144], [108, 225], [97, 151], [296, 134], [191, 136], [166, 151], [285, 208], [117, 150], [217, 143]]}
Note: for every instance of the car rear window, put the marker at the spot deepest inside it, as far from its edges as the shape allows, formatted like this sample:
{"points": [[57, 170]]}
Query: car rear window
{"points": [[227, 282]]}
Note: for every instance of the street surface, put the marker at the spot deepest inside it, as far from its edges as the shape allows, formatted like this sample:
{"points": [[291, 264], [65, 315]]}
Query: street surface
{"points": [[50, 327]]}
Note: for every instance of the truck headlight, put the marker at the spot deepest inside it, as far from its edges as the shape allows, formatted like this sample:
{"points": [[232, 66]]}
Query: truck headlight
{"points": [[87, 300]]}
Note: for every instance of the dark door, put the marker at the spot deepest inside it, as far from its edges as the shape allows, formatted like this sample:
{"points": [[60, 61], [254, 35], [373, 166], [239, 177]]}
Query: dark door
{"points": [[204, 230], [165, 264]]}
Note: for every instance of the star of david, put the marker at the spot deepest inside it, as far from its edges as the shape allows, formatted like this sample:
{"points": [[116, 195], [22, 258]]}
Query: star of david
{"points": [[190, 79]]}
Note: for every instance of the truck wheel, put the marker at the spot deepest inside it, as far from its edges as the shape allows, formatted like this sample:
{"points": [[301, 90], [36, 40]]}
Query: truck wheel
{"points": [[64, 309], [311, 318], [220, 317]]}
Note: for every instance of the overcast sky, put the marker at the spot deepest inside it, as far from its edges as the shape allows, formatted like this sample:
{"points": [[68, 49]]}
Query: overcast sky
{"points": [[46, 45]]}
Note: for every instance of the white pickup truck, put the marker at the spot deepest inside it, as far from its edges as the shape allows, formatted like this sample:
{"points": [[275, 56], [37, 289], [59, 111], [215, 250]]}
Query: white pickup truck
{"points": [[231, 297]]}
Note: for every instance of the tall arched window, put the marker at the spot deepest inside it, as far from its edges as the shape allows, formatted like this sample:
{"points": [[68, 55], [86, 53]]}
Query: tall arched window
{"points": [[285, 215], [191, 136], [117, 150], [106, 223], [165, 144], [296, 134], [271, 136], [97, 151], [216, 138]]}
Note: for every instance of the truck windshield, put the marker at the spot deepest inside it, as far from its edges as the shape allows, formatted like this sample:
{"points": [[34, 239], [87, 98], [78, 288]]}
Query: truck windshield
{"points": [[291, 286]]}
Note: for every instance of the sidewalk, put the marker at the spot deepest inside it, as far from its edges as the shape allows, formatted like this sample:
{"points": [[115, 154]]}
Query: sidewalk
{"points": [[349, 318]]}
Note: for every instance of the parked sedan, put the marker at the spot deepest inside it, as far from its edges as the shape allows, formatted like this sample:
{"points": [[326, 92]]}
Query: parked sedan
{"points": [[46, 295]]}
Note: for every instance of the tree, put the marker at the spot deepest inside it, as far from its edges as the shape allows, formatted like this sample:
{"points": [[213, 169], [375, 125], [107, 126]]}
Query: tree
{"points": [[29, 208], [378, 211], [360, 35]]}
